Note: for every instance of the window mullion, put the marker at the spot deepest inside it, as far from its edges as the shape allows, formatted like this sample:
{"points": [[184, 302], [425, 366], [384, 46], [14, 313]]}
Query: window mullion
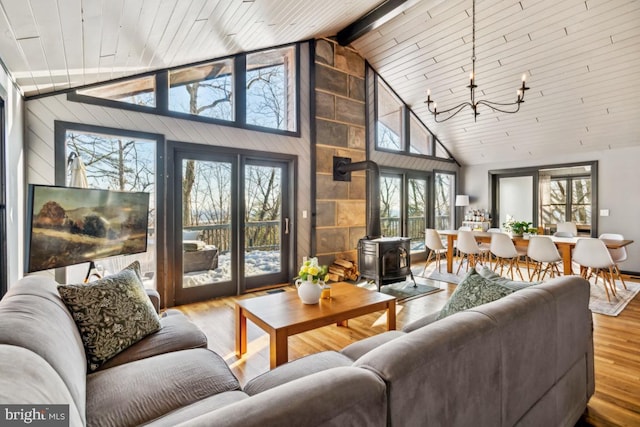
{"points": [[240, 85]]}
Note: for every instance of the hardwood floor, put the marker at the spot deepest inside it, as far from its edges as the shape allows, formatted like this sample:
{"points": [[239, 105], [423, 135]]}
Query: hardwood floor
{"points": [[616, 401]]}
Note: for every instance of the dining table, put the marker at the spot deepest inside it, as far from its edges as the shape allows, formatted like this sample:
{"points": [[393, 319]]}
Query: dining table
{"points": [[565, 245]]}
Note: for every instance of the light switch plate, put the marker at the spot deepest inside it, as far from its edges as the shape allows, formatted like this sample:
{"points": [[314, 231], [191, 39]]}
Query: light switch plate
{"points": [[604, 212]]}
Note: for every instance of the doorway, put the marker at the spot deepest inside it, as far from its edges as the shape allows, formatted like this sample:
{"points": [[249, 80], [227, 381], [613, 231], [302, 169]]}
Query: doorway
{"points": [[232, 225]]}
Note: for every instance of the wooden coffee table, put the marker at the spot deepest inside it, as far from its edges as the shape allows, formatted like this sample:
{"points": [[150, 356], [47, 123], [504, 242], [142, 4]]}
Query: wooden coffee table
{"points": [[283, 314]]}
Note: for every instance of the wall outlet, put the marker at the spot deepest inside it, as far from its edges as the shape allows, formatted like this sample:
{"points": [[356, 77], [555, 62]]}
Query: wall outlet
{"points": [[304, 213], [604, 212]]}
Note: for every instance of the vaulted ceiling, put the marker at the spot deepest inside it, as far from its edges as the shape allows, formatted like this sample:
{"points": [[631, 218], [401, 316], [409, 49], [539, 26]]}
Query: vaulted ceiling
{"points": [[582, 58]]}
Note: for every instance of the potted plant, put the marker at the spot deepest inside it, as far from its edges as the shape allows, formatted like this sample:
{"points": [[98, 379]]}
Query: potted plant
{"points": [[517, 228]]}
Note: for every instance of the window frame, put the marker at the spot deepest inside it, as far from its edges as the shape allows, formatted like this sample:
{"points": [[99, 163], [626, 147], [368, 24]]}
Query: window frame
{"points": [[239, 88], [406, 114], [60, 161]]}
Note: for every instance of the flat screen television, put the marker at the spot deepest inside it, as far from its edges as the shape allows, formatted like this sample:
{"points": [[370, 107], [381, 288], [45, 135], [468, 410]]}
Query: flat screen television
{"points": [[68, 225]]}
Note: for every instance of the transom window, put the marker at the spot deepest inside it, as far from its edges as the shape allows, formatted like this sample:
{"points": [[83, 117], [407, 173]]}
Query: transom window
{"points": [[255, 90], [399, 130]]}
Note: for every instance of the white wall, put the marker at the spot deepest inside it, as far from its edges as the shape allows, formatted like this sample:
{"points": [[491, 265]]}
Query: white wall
{"points": [[618, 191], [14, 175]]}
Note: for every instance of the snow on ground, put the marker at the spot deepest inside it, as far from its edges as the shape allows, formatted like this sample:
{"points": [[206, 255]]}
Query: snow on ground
{"points": [[256, 263]]}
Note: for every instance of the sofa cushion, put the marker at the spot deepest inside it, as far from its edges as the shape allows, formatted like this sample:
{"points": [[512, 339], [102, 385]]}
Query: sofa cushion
{"points": [[177, 333], [141, 391], [201, 407], [358, 348], [297, 369], [111, 313], [473, 290]]}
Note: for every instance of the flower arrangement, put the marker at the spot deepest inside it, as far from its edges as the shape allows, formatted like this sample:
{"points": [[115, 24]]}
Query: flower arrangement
{"points": [[518, 227], [311, 271]]}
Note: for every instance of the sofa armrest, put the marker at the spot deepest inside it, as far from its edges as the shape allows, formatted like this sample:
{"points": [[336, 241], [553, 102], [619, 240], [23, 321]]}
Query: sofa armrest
{"points": [[423, 321], [357, 349], [335, 397], [154, 296]]}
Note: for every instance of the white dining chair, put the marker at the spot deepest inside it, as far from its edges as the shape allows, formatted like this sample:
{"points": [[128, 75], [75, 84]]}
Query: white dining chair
{"points": [[433, 242], [593, 257], [469, 250], [506, 254], [487, 246], [541, 251], [567, 229], [618, 255]]}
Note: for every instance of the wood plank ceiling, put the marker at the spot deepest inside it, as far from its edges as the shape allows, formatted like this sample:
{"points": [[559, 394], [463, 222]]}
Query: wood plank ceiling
{"points": [[582, 58]]}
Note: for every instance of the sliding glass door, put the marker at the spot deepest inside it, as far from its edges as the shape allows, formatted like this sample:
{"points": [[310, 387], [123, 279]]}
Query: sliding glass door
{"points": [[232, 230]]}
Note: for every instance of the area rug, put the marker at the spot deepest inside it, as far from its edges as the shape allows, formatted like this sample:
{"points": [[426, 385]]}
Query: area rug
{"points": [[403, 291], [598, 301]]}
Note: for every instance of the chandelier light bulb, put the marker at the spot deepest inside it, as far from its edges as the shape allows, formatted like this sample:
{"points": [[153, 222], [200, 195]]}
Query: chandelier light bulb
{"points": [[524, 77]]}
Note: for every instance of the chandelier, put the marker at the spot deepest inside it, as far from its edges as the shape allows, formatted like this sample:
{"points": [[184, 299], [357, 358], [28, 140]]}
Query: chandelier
{"points": [[508, 107]]}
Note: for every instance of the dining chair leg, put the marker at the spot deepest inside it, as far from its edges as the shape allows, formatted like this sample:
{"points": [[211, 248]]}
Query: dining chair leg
{"points": [[616, 269], [612, 281], [604, 283], [517, 265], [426, 264]]}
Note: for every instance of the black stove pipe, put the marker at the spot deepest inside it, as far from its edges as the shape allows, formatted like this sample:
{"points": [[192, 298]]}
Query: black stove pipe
{"points": [[342, 168]]}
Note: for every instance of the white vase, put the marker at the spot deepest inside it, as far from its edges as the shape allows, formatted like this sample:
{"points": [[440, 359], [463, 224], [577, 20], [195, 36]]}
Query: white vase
{"points": [[309, 292]]}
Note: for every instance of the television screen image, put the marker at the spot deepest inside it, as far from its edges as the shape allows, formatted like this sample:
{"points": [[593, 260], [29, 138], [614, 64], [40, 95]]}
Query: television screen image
{"points": [[75, 225]]}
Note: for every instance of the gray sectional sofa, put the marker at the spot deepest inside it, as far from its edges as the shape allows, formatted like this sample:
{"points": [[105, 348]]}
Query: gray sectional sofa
{"points": [[526, 359]]}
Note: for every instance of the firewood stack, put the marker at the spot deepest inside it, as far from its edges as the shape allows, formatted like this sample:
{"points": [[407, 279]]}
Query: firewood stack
{"points": [[341, 269]]}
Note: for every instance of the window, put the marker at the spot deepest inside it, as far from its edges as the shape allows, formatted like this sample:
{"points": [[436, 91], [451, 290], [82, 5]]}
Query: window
{"points": [[140, 91], [118, 162], [389, 120], [205, 90], [257, 91], [398, 129], [390, 207], [270, 84], [421, 138], [444, 189], [403, 206], [566, 199]]}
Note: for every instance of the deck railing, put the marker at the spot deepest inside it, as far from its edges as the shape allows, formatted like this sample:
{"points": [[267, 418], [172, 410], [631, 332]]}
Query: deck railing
{"points": [[265, 235]]}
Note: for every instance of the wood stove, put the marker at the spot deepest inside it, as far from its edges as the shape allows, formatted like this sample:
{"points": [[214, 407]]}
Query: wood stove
{"points": [[385, 260]]}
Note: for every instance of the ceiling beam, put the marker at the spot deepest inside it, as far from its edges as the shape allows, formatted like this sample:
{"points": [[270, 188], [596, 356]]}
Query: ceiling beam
{"points": [[384, 12]]}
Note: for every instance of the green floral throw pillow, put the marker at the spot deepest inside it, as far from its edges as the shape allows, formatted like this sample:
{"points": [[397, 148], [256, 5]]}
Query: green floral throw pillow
{"points": [[111, 313], [472, 291]]}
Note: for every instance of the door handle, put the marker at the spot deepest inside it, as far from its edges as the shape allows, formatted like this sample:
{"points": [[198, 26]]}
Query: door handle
{"points": [[286, 226]]}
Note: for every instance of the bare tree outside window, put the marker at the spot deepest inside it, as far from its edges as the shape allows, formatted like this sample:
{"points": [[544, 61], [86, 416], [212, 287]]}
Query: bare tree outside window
{"points": [[443, 201], [120, 163]]}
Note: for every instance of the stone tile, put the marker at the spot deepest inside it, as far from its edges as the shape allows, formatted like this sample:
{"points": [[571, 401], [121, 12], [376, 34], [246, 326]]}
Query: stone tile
{"points": [[349, 61], [324, 52], [351, 213], [328, 189], [358, 187], [326, 214], [332, 80], [331, 239], [355, 234], [357, 137], [356, 88], [331, 133], [324, 159], [350, 111], [325, 105]]}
